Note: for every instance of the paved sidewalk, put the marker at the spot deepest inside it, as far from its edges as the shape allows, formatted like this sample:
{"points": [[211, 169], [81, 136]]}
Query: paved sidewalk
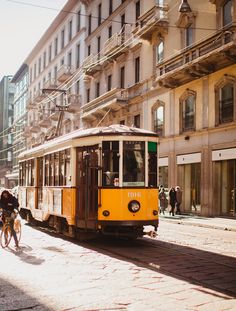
{"points": [[221, 223]]}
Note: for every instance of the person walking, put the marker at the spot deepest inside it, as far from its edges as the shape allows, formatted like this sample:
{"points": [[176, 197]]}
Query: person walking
{"points": [[178, 193], [172, 200], [163, 200], [9, 203]]}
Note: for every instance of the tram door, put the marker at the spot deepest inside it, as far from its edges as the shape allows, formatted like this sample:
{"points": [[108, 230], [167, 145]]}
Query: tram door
{"points": [[87, 186]]}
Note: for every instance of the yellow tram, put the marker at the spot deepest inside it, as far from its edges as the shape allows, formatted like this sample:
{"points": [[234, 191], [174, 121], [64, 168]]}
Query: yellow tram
{"points": [[100, 179]]}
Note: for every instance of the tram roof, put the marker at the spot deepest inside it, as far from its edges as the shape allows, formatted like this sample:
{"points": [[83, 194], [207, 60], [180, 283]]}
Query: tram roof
{"points": [[115, 129]]}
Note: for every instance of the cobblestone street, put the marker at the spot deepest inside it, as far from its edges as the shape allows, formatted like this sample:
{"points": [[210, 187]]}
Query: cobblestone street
{"points": [[185, 268]]}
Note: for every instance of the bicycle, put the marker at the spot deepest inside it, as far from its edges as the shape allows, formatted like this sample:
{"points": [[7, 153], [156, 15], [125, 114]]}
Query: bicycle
{"points": [[6, 233]]}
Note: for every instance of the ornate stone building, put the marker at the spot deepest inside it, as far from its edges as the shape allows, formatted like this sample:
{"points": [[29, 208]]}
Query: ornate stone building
{"points": [[168, 66]]}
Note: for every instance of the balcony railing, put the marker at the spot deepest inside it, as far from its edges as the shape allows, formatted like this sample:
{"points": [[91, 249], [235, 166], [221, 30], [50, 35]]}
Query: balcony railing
{"points": [[64, 73], [154, 19], [206, 56], [114, 100]]}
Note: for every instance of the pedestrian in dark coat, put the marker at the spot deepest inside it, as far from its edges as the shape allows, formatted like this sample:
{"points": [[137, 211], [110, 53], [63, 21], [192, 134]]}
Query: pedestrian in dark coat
{"points": [[178, 199], [172, 200]]}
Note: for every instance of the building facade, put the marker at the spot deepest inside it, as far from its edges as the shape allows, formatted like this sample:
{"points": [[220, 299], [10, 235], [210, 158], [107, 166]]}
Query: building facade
{"points": [[20, 80], [167, 66], [7, 89]]}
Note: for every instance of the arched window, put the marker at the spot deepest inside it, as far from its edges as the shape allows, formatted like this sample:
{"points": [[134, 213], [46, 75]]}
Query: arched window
{"points": [[225, 100], [158, 118], [188, 111], [227, 12]]}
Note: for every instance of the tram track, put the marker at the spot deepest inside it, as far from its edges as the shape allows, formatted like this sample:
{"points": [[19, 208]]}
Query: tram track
{"points": [[185, 263]]}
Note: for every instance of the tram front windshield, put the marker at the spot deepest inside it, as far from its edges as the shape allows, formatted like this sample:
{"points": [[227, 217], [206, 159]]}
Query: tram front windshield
{"points": [[133, 163]]}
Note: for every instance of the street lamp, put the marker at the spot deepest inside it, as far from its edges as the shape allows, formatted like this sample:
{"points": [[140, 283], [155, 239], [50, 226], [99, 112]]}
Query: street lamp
{"points": [[184, 7]]}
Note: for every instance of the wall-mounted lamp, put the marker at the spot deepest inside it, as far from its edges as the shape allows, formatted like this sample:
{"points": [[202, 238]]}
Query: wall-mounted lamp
{"points": [[184, 7]]}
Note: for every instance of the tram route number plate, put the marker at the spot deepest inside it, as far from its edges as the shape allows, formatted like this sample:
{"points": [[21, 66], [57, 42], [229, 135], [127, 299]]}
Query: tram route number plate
{"points": [[133, 195]]}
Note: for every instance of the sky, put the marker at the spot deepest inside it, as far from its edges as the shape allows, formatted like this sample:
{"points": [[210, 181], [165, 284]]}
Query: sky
{"points": [[22, 23]]}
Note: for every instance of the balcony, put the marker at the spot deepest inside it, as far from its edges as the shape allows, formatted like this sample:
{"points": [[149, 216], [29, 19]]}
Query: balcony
{"points": [[30, 104], [92, 65], [34, 127], [112, 101], [153, 20], [50, 84], [209, 55], [39, 96], [119, 43], [27, 132], [54, 114], [75, 103], [44, 120], [64, 73]]}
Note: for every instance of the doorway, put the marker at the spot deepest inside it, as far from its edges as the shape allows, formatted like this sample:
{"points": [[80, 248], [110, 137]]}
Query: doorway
{"points": [[87, 187]]}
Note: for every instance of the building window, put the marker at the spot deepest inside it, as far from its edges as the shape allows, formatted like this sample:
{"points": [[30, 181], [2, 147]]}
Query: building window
{"points": [[89, 50], [109, 31], [98, 44], [50, 53], [78, 86], [225, 100], [226, 104], [55, 46], [189, 35], [137, 11], [39, 65], [122, 77], [78, 56], [158, 118], [44, 59], [99, 14], [97, 89], [137, 121], [137, 70], [62, 38], [79, 20], [122, 122], [187, 111], [70, 31], [88, 95], [160, 52], [69, 62], [109, 82], [89, 24], [122, 21], [227, 12], [110, 7]]}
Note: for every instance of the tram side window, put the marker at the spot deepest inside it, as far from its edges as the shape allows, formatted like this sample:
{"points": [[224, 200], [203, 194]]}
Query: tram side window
{"points": [[110, 158], [22, 174], [46, 168], [57, 169], [134, 163], [67, 168], [152, 164], [31, 173]]}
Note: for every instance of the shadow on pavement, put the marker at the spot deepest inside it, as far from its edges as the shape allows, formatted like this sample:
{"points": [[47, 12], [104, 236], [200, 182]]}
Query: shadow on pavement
{"points": [[13, 299]]}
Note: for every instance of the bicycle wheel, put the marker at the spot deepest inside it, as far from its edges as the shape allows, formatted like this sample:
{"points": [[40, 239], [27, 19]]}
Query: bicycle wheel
{"points": [[6, 236], [17, 228]]}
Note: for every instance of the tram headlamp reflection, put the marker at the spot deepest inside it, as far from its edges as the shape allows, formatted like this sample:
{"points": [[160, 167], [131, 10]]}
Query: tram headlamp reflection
{"points": [[134, 206], [106, 213]]}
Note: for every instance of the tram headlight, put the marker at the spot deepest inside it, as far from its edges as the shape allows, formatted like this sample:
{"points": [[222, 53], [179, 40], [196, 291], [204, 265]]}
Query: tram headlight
{"points": [[134, 206], [106, 213], [155, 212]]}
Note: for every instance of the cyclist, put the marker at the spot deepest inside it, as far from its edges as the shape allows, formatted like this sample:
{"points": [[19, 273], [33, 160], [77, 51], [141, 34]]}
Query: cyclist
{"points": [[9, 203]]}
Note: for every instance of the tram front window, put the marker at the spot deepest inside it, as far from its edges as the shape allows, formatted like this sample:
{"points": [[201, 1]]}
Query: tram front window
{"points": [[110, 152], [134, 164]]}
